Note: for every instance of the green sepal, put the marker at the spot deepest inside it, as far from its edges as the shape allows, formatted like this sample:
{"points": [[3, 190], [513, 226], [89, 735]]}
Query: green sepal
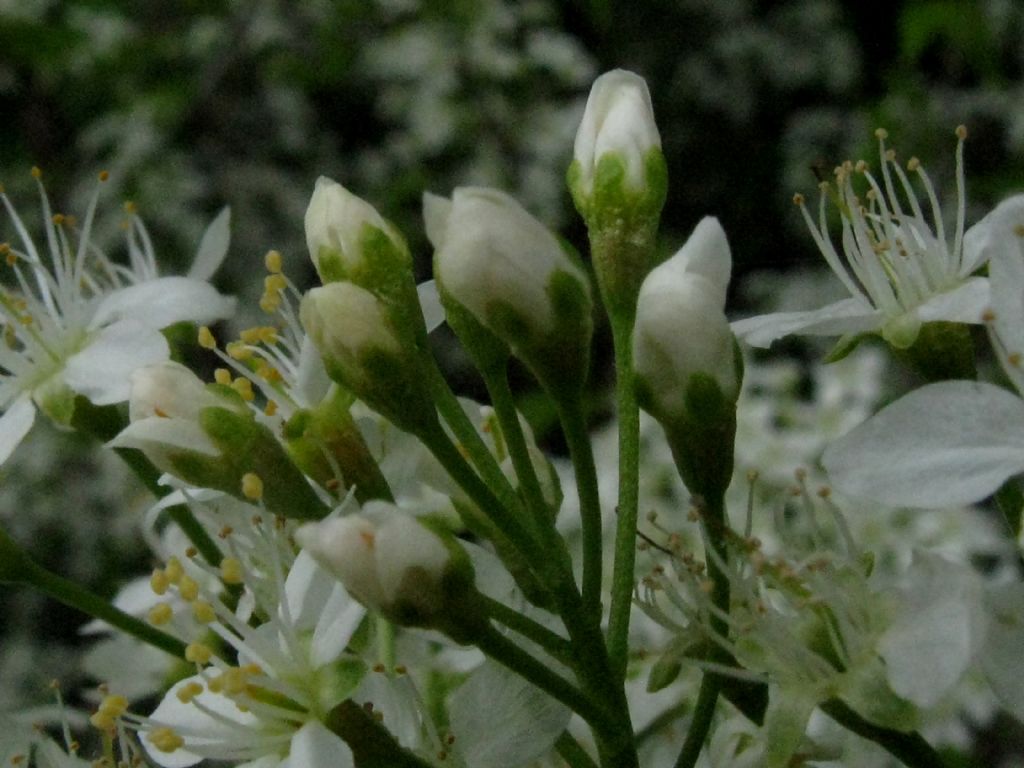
{"points": [[942, 351], [845, 346], [56, 399], [489, 353], [560, 358], [325, 437], [248, 446], [622, 223], [339, 680]]}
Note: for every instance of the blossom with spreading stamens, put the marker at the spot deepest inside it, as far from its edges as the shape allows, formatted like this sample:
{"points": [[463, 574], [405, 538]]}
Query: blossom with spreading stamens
{"points": [[899, 264], [76, 323]]}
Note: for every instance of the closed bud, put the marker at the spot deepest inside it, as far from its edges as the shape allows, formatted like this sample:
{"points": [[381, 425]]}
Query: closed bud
{"points": [[363, 351], [508, 271], [393, 563], [618, 180], [206, 435], [344, 232], [687, 368]]}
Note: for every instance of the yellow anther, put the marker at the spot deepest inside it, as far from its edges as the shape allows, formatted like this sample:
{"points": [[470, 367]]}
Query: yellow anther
{"points": [[273, 261], [234, 681], [890, 155], [159, 582], [198, 653], [206, 338], [130, 208], [961, 132], [275, 283], [222, 376], [114, 705], [160, 614], [238, 350], [913, 164], [250, 335], [881, 134], [188, 692], [268, 334], [57, 218], [270, 303], [203, 612], [268, 373], [231, 571], [1019, 230], [216, 685], [165, 739], [244, 388], [37, 172], [102, 721], [174, 570], [189, 588], [798, 199], [252, 668], [271, 408], [1014, 359], [861, 166], [104, 175], [252, 486]]}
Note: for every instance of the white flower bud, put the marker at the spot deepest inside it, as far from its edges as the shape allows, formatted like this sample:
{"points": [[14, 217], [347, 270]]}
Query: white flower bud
{"points": [[344, 321], [681, 328], [618, 119], [336, 222], [385, 558], [493, 257]]}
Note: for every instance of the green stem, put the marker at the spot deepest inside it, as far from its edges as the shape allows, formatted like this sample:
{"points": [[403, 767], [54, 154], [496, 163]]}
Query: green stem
{"points": [[910, 748], [470, 440], [511, 430], [75, 596], [559, 648], [570, 411], [570, 750], [711, 684], [629, 488]]}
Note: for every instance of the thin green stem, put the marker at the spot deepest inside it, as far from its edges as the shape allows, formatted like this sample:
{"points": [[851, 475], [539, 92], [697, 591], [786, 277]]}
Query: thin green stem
{"points": [[629, 487], [559, 648], [910, 748], [570, 750], [78, 597], [471, 442], [574, 425], [711, 684], [441, 446], [511, 430]]}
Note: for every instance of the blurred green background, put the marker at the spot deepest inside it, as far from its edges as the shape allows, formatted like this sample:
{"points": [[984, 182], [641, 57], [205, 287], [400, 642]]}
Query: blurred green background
{"points": [[196, 104]]}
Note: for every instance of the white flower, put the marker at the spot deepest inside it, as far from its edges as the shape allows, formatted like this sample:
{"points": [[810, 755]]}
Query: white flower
{"points": [[681, 329], [901, 269], [80, 324], [618, 119]]}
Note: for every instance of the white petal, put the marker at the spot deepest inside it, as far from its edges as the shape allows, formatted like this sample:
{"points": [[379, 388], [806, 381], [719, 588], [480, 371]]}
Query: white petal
{"points": [[212, 248], [430, 301], [396, 702], [501, 721], [846, 316], [1003, 656], [157, 434], [14, 425], [964, 304], [436, 211], [102, 371], [339, 620], [165, 301], [313, 746], [994, 235], [943, 445], [197, 727], [318, 601], [785, 722], [937, 628], [312, 380]]}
